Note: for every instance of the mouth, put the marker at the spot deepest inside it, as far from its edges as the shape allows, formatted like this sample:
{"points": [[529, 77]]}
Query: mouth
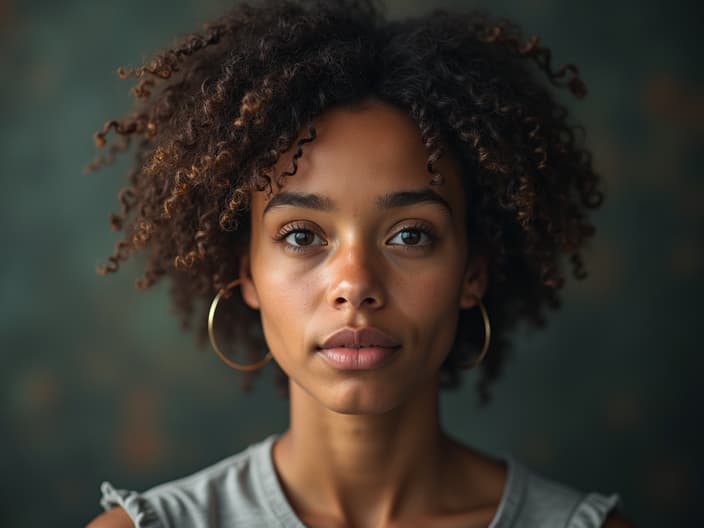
{"points": [[358, 357], [359, 348], [367, 336]]}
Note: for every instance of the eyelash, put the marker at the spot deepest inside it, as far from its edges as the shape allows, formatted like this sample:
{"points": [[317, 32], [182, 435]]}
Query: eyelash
{"points": [[422, 228], [286, 231]]}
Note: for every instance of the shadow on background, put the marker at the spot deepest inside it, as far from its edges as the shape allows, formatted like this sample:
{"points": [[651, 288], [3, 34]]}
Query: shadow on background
{"points": [[98, 381]]}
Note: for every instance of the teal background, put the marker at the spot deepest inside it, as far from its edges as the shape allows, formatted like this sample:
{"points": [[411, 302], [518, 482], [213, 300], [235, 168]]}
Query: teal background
{"points": [[99, 383]]}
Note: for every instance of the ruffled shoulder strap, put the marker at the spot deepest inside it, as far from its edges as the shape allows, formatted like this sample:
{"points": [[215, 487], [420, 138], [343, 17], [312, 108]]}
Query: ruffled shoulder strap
{"points": [[136, 506], [538, 501], [593, 509]]}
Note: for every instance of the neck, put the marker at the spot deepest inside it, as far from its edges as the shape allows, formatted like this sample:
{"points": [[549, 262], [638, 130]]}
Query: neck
{"points": [[363, 469]]}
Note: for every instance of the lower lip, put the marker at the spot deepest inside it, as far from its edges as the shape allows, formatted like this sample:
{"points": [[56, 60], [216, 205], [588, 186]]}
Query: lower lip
{"points": [[358, 358]]}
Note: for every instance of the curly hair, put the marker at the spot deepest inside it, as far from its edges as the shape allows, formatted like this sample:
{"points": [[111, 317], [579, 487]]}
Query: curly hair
{"points": [[214, 113]]}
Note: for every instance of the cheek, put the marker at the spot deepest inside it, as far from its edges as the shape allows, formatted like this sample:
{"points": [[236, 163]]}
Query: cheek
{"points": [[431, 302], [281, 291], [433, 291], [287, 300]]}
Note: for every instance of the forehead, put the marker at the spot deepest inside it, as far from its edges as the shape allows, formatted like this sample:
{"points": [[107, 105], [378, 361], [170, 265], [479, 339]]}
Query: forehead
{"points": [[362, 152]]}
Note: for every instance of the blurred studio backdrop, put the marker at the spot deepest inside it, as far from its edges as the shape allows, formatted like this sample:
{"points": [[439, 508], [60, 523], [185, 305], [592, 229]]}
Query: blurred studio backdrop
{"points": [[98, 382]]}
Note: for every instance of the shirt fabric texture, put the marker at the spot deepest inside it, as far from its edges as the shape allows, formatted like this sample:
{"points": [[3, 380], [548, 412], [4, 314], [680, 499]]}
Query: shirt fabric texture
{"points": [[243, 491]]}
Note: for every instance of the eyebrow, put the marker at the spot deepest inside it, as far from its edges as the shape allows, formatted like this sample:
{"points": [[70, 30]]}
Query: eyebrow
{"points": [[385, 201]]}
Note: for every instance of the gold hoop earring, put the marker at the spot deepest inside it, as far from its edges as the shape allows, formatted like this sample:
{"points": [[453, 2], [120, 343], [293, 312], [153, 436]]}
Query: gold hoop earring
{"points": [[211, 317], [487, 338]]}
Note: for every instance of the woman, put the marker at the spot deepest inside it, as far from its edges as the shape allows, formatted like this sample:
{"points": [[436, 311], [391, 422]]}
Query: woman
{"points": [[390, 198]]}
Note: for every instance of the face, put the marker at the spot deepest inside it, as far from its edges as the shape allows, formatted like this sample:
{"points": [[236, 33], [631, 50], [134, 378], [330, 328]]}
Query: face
{"points": [[359, 237]]}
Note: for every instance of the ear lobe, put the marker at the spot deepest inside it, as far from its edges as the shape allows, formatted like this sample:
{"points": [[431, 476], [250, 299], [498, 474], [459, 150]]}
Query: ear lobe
{"points": [[249, 290], [475, 281]]}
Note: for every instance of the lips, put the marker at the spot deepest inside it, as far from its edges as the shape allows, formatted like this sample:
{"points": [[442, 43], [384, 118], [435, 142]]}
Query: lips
{"points": [[367, 336], [366, 348]]}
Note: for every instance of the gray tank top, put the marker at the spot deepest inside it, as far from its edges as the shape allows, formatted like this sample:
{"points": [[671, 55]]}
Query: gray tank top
{"points": [[243, 490]]}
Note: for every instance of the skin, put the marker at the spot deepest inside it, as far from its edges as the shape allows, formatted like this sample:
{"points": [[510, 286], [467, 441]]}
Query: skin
{"points": [[365, 448]]}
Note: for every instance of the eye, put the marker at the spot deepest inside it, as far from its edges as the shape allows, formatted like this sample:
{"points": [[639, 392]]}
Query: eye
{"points": [[414, 236], [298, 238]]}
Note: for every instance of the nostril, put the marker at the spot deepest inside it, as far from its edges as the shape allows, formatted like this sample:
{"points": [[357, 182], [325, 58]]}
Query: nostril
{"points": [[370, 301]]}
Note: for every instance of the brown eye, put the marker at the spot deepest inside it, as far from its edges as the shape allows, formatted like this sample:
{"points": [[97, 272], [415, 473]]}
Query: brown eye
{"points": [[301, 237], [410, 236], [413, 236]]}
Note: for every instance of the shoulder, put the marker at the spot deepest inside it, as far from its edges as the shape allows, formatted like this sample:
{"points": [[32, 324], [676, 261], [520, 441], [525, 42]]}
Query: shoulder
{"points": [[616, 520], [225, 491], [541, 501], [114, 518]]}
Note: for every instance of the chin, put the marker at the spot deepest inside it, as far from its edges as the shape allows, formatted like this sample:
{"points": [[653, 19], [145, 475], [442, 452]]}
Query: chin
{"points": [[358, 397]]}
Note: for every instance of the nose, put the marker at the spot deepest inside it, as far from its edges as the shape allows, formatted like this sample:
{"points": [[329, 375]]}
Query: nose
{"points": [[356, 280]]}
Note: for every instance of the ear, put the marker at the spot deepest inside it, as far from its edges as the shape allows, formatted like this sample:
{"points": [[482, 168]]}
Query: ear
{"points": [[249, 290], [475, 281]]}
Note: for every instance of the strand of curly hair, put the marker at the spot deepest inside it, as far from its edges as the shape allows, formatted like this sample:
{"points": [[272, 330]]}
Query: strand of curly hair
{"points": [[215, 113]]}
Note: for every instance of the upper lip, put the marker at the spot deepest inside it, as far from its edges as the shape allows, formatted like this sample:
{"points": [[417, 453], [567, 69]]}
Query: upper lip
{"points": [[366, 336]]}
